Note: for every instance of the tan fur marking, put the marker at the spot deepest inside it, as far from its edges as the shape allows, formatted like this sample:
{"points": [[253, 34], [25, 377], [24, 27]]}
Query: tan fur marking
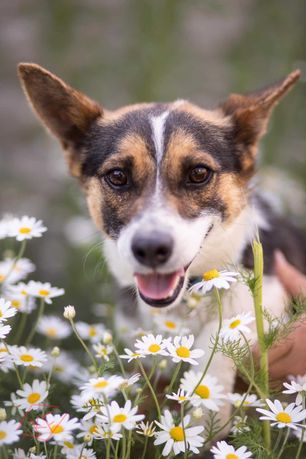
{"points": [[216, 116]]}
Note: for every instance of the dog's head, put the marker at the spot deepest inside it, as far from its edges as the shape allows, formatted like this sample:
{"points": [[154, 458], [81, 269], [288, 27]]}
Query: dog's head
{"points": [[161, 179]]}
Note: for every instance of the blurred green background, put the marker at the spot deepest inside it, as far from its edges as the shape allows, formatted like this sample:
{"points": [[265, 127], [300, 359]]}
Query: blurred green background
{"points": [[121, 52]]}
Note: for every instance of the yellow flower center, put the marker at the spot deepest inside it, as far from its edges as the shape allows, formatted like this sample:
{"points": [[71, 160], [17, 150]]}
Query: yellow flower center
{"points": [[1, 314], [3, 349], [92, 332], [3, 434], [135, 354], [182, 398], [183, 352], [24, 230], [56, 428], [209, 275], [43, 292], [234, 324], [231, 456], [2, 277], [93, 429], [23, 292], [203, 391], [51, 331], [101, 384], [26, 358], [170, 324], [283, 417], [177, 433], [154, 348], [58, 369], [34, 397], [68, 444], [119, 418], [16, 303]]}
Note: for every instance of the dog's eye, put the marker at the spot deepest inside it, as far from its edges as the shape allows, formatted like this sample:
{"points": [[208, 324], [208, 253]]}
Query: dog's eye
{"points": [[199, 175], [116, 178]]}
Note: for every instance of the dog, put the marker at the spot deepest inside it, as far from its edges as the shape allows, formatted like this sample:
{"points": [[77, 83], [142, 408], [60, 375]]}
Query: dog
{"points": [[170, 186]]}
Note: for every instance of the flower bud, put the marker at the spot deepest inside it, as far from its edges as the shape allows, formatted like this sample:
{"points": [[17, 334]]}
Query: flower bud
{"points": [[107, 337], [197, 413], [87, 438], [163, 364], [69, 312], [55, 352], [2, 414]]}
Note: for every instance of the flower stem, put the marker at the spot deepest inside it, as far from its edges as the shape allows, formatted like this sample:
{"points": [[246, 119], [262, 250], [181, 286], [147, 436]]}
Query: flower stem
{"points": [[175, 374], [20, 328], [284, 444], [83, 344], [298, 453], [150, 387], [219, 302], [145, 448], [17, 258], [183, 427], [257, 298], [39, 315], [15, 367], [119, 361]]}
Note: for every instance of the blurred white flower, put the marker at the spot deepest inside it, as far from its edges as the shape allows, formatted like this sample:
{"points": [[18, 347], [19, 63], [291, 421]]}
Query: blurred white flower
{"points": [[177, 437], [240, 425], [233, 327], [180, 396], [250, 400], [26, 228], [28, 356], [131, 355], [65, 368], [180, 350], [44, 290], [101, 385], [9, 432], [296, 388], [53, 327], [150, 344], [6, 310], [170, 324], [57, 427], [106, 431], [214, 279], [103, 351], [93, 332], [32, 396], [208, 393], [119, 417], [12, 271], [223, 450], [281, 416], [4, 330], [80, 231]]}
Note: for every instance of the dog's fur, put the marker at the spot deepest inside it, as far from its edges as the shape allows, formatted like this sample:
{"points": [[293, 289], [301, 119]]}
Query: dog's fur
{"points": [[158, 148]]}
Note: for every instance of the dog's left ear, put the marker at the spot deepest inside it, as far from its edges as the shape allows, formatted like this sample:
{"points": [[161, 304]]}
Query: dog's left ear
{"points": [[251, 112]]}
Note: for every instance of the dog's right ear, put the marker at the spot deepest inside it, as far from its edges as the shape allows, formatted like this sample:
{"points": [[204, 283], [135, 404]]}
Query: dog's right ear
{"points": [[67, 113]]}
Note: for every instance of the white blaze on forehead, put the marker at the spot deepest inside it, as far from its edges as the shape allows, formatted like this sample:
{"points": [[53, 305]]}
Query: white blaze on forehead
{"points": [[158, 125]]}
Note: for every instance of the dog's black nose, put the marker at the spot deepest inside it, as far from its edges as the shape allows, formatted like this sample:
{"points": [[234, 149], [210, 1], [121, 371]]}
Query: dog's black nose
{"points": [[153, 249]]}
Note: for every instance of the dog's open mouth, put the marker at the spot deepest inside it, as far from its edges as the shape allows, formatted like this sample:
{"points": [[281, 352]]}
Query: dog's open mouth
{"points": [[159, 289]]}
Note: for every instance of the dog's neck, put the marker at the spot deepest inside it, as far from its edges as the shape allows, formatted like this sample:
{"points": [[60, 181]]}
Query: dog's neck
{"points": [[223, 247]]}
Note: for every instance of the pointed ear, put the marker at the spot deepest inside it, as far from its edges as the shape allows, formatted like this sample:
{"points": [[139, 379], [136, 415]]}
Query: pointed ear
{"points": [[67, 113], [251, 112]]}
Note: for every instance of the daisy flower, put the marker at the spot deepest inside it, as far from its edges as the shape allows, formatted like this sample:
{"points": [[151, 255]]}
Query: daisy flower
{"points": [[33, 357], [146, 429], [101, 385], [170, 324], [208, 393], [214, 279], [280, 416], [180, 396], [127, 382], [9, 432], [175, 436], [296, 388], [232, 328], [32, 396], [151, 344], [6, 310], [55, 426], [6, 362], [44, 290], [87, 428], [80, 452], [26, 228], [93, 333], [64, 367], [250, 400], [239, 425], [12, 271], [106, 432], [225, 451], [131, 355], [119, 417], [21, 303], [180, 350], [103, 351], [4, 330], [53, 327]]}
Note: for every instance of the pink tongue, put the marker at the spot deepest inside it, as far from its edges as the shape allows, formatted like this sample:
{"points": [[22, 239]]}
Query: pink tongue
{"points": [[157, 286]]}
